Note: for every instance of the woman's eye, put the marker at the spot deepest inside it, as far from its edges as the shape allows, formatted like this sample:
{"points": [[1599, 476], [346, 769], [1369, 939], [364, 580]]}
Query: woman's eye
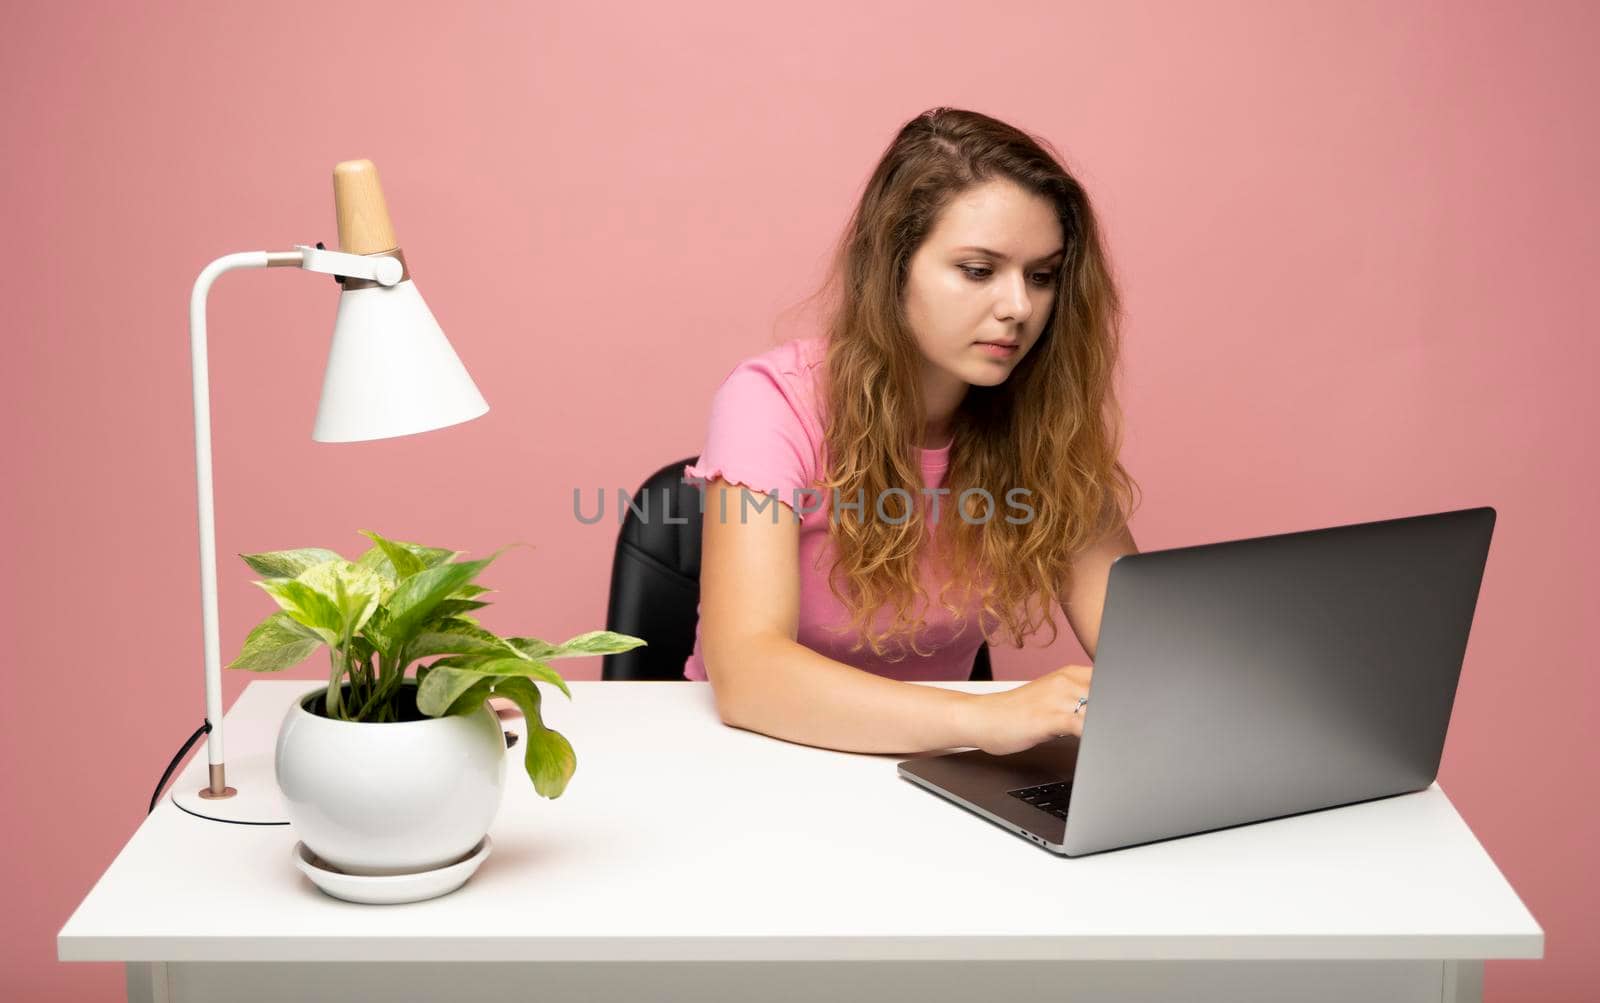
{"points": [[979, 274]]}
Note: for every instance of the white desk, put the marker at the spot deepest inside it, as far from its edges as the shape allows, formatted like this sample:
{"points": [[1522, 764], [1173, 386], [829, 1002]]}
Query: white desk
{"points": [[692, 861]]}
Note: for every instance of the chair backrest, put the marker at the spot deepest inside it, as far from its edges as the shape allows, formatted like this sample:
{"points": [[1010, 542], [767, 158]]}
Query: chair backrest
{"points": [[655, 580], [655, 577]]}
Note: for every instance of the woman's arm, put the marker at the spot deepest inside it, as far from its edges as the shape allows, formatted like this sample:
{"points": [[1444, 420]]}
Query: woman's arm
{"points": [[1086, 592], [764, 680]]}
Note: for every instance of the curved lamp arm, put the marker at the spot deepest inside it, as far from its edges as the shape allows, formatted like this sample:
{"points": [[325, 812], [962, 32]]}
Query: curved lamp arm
{"points": [[384, 270]]}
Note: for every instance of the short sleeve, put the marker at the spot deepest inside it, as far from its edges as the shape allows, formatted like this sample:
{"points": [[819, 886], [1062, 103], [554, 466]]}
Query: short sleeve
{"points": [[757, 434]]}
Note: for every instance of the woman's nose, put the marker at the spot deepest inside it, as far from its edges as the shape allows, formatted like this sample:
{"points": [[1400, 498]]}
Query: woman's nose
{"points": [[1015, 304]]}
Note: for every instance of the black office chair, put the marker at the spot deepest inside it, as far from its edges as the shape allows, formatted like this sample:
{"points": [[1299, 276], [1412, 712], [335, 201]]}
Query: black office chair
{"points": [[655, 580]]}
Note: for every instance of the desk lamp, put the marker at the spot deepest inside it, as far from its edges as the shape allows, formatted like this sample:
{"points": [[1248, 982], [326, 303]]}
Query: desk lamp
{"points": [[391, 372]]}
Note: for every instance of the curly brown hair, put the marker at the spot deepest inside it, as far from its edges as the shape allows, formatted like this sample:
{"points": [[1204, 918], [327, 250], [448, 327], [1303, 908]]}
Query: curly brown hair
{"points": [[1053, 427]]}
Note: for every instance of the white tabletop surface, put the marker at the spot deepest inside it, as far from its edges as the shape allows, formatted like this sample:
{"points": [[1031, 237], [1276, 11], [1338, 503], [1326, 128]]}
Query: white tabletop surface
{"points": [[680, 838]]}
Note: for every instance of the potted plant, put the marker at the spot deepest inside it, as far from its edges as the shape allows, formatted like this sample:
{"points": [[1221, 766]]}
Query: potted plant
{"points": [[385, 773]]}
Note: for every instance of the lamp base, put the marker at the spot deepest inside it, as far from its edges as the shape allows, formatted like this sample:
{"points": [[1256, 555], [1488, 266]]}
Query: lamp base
{"points": [[256, 801]]}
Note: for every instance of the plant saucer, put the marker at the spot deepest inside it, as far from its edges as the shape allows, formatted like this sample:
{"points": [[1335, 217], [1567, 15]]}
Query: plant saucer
{"points": [[390, 889]]}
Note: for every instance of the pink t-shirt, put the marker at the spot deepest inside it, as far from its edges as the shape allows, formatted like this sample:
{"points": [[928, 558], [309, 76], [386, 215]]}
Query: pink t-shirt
{"points": [[766, 433]]}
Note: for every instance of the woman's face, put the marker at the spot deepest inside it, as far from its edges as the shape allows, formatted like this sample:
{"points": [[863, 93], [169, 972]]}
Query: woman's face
{"points": [[987, 273]]}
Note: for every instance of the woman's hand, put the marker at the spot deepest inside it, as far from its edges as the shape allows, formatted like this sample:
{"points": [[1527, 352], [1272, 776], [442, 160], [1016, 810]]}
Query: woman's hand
{"points": [[1036, 711]]}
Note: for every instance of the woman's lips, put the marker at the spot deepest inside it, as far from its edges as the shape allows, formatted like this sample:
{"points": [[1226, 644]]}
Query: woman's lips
{"points": [[998, 351]]}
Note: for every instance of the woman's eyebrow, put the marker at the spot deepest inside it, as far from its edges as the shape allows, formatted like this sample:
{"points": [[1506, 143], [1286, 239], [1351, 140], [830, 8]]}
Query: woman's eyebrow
{"points": [[996, 254]]}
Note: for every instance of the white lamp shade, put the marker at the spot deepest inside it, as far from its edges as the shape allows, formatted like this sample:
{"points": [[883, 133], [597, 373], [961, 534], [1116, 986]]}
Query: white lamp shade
{"points": [[391, 371]]}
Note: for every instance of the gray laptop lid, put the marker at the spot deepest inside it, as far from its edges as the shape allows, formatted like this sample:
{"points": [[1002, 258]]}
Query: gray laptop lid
{"points": [[1247, 680], [1252, 679]]}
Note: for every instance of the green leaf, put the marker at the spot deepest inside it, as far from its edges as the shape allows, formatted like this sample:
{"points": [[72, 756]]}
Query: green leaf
{"points": [[377, 562], [456, 637], [473, 698], [491, 665], [596, 642], [376, 631], [275, 644], [532, 647], [455, 607], [443, 686], [432, 557], [374, 561], [354, 591], [416, 598], [288, 563], [307, 607], [401, 558], [377, 559], [550, 761]]}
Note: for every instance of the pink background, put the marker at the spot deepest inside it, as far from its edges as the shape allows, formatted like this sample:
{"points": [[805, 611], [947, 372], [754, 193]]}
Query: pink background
{"points": [[1358, 243]]}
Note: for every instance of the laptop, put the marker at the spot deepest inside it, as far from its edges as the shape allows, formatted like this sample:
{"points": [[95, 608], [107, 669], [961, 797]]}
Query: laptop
{"points": [[1248, 680]]}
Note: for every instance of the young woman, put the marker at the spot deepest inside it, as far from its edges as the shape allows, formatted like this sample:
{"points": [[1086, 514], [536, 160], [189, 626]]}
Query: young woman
{"points": [[944, 456]]}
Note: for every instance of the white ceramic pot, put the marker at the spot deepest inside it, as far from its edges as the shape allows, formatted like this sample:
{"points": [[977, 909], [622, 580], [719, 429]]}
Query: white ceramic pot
{"points": [[392, 798]]}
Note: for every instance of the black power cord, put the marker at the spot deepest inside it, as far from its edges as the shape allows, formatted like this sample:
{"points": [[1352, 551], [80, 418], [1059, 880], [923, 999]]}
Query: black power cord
{"points": [[156, 797]]}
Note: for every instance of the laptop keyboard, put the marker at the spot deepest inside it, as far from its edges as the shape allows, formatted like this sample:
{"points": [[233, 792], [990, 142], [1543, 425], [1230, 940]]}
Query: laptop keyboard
{"points": [[1052, 798]]}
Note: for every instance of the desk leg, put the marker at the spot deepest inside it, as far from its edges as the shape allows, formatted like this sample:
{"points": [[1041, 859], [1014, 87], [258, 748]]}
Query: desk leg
{"points": [[1463, 982], [147, 982]]}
